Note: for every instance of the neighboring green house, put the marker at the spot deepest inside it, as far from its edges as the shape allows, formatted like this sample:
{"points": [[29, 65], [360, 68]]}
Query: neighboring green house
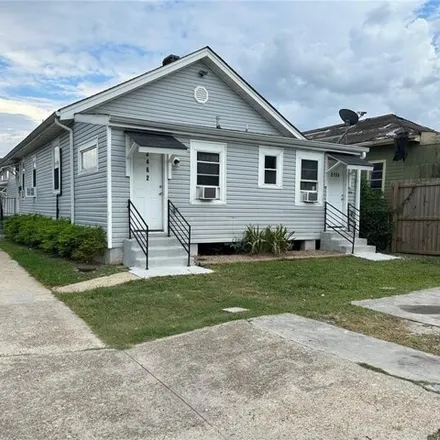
{"points": [[385, 135]]}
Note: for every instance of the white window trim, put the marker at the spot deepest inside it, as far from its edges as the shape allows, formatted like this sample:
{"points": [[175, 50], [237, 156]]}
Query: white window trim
{"points": [[278, 153], [308, 155], [34, 167], [88, 146], [384, 169], [22, 179], [56, 144], [208, 147]]}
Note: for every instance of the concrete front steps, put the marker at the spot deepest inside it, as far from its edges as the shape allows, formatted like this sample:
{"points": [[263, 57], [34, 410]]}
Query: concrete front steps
{"points": [[163, 252], [332, 241]]}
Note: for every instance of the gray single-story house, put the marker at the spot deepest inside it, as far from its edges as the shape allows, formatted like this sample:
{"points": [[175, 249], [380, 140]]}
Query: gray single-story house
{"points": [[189, 150]]}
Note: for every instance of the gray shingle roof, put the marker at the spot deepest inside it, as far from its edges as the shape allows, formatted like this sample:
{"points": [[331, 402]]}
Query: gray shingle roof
{"points": [[367, 130]]}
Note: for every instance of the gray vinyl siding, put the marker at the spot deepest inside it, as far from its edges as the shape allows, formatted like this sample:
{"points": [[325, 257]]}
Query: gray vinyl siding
{"points": [[171, 99], [64, 199], [91, 189], [120, 188], [246, 203], [352, 190], [46, 201], [12, 188]]}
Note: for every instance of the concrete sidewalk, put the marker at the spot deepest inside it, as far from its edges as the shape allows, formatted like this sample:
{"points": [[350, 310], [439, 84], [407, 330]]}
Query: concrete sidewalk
{"points": [[393, 358], [421, 306], [232, 381], [32, 320]]}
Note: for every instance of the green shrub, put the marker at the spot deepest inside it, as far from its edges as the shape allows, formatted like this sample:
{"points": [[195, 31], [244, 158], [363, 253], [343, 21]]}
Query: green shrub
{"points": [[56, 237], [256, 241], [375, 223]]}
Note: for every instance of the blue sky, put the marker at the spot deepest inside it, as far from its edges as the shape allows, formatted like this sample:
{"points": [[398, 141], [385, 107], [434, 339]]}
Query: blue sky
{"points": [[308, 58]]}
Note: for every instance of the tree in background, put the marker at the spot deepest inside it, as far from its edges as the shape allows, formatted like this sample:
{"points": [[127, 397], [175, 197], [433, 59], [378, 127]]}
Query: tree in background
{"points": [[375, 224]]}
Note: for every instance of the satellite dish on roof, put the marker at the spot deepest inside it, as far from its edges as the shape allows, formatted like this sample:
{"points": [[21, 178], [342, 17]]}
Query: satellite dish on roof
{"points": [[348, 116]]}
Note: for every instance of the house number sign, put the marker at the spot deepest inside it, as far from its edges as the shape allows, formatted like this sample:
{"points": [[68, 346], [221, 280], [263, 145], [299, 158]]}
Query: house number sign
{"points": [[147, 167], [334, 174]]}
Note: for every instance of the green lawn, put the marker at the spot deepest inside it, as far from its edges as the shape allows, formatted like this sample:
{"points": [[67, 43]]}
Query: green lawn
{"points": [[51, 271], [316, 288]]}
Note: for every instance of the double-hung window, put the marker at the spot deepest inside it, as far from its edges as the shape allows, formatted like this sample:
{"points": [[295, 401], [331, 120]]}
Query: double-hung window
{"points": [[22, 179], [56, 169], [88, 157], [34, 172], [208, 169], [270, 174], [309, 175], [377, 176], [208, 172]]}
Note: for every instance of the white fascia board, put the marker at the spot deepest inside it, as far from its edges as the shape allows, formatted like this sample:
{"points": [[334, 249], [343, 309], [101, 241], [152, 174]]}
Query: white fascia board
{"points": [[70, 111], [160, 150], [220, 135], [255, 96], [360, 167], [92, 119]]}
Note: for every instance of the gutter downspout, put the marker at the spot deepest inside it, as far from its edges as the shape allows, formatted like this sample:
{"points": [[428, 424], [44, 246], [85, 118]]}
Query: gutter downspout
{"points": [[72, 185]]}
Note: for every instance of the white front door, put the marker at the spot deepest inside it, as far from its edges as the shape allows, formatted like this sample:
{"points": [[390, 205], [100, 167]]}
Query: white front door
{"points": [[336, 179], [148, 188]]}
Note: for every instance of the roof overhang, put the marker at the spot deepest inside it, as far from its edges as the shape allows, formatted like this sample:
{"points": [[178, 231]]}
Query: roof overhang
{"points": [[243, 137], [214, 62], [42, 134], [351, 161], [161, 143]]}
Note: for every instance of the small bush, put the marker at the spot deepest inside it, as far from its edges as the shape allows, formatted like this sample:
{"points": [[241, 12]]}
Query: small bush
{"points": [[56, 237], [270, 239], [375, 224]]}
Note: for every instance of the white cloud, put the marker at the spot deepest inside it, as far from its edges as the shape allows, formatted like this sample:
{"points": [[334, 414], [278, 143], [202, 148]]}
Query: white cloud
{"points": [[309, 58], [34, 112]]}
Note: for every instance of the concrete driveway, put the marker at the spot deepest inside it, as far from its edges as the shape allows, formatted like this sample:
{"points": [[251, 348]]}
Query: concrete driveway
{"points": [[233, 381]]}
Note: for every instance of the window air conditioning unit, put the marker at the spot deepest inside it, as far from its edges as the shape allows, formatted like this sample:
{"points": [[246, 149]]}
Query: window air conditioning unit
{"points": [[31, 192], [309, 196], [208, 193]]}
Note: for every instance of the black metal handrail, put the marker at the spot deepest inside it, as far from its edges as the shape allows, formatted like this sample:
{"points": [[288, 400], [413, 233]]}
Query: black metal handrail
{"points": [[336, 220], [138, 228], [179, 226], [355, 215]]}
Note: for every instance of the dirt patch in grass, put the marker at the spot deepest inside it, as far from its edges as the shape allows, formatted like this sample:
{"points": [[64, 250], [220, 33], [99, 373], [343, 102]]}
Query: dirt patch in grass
{"points": [[207, 260]]}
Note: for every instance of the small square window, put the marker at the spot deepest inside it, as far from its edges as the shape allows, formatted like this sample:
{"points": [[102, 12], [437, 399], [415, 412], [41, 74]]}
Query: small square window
{"points": [[88, 158], [270, 167]]}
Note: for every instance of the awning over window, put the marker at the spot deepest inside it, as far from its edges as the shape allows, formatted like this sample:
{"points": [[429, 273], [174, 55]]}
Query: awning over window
{"points": [[352, 162], [156, 142]]}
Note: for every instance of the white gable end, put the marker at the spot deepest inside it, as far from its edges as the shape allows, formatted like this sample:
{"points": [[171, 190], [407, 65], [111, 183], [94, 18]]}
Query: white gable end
{"points": [[187, 98]]}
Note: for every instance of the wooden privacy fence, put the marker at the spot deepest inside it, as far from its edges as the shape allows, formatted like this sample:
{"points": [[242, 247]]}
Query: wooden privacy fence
{"points": [[415, 206]]}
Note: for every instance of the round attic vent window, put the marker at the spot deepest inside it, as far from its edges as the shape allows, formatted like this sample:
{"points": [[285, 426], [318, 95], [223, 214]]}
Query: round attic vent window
{"points": [[201, 94]]}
